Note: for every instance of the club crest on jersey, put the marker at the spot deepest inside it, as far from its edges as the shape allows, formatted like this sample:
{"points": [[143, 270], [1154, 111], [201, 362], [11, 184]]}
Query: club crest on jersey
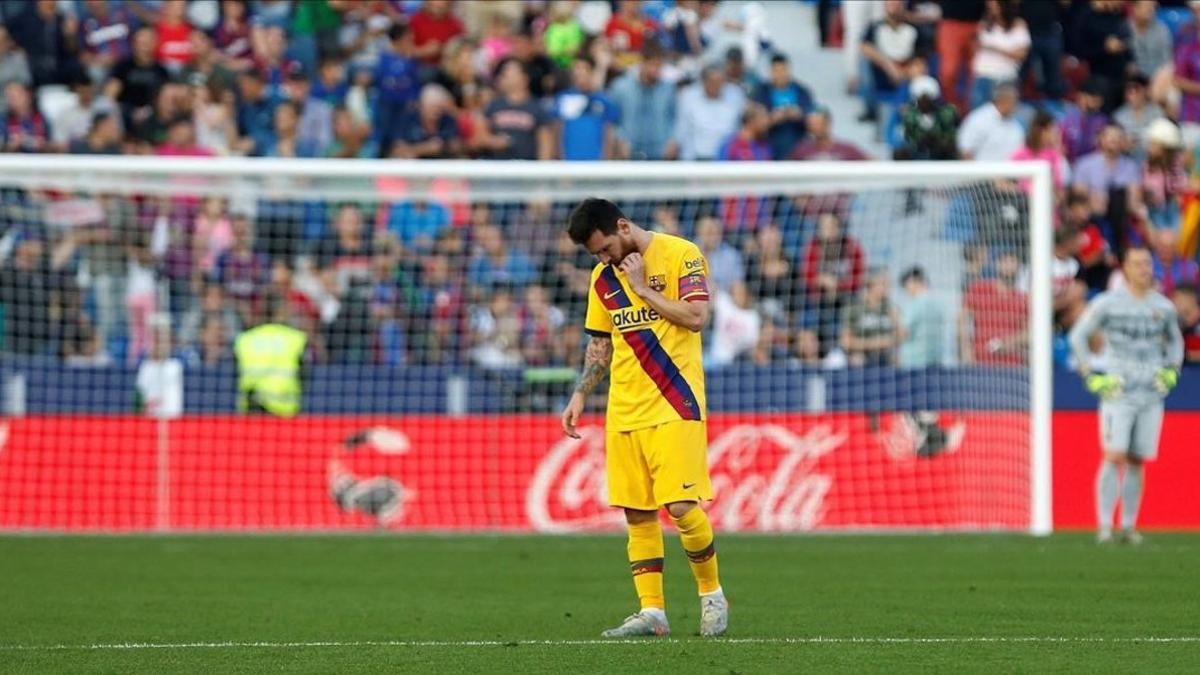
{"points": [[658, 282]]}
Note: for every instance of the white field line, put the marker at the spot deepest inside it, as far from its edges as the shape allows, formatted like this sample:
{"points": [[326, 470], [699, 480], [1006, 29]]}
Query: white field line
{"points": [[816, 640]]}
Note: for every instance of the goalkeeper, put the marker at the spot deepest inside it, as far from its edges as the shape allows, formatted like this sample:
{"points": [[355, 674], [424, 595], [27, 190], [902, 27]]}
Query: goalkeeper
{"points": [[1143, 352]]}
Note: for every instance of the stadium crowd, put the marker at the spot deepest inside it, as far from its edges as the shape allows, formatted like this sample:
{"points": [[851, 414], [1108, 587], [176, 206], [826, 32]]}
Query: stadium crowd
{"points": [[1107, 92]]}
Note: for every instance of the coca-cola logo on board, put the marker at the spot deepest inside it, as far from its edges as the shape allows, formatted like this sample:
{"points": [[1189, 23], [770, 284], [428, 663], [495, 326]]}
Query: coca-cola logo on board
{"points": [[763, 478]]}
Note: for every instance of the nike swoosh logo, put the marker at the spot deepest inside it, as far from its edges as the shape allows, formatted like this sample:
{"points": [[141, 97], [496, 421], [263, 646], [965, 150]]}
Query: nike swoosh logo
{"points": [[688, 486], [609, 295]]}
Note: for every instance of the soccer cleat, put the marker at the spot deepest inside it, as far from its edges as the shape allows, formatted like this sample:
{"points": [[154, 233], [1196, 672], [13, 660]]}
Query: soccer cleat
{"points": [[714, 614], [1131, 536], [642, 623], [1104, 536]]}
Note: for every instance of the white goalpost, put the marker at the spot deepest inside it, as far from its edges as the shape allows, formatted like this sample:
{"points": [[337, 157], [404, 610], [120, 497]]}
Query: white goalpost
{"points": [[879, 359]]}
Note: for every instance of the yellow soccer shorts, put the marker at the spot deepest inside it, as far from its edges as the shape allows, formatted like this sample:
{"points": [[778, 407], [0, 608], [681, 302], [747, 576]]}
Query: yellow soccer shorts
{"points": [[651, 467]]}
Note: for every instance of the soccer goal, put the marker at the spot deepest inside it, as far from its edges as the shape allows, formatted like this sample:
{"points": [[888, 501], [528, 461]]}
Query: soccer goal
{"points": [[878, 357]]}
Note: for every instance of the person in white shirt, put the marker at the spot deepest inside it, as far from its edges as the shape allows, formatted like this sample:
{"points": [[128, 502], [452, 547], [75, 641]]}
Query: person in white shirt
{"points": [[1003, 45], [160, 376], [737, 326], [707, 113], [991, 132]]}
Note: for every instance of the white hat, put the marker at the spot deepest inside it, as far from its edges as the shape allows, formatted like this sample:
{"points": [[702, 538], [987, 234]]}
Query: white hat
{"points": [[1165, 133], [924, 86]]}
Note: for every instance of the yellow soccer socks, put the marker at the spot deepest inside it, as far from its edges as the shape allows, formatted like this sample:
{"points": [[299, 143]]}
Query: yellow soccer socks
{"points": [[646, 562], [696, 534]]}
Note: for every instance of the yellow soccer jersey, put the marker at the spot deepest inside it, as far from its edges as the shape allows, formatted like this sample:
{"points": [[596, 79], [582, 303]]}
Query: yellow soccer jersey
{"points": [[656, 372]]}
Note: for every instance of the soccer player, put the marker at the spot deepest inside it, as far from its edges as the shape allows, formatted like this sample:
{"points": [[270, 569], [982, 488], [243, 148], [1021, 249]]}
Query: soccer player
{"points": [[647, 304], [1143, 353]]}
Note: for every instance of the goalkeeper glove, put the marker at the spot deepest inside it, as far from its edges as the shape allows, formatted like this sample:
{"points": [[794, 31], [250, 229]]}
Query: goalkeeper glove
{"points": [[1165, 380], [1103, 385]]}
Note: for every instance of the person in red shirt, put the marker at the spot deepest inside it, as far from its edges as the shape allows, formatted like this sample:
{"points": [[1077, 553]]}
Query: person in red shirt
{"points": [[432, 27], [174, 36], [833, 269], [992, 328], [627, 31]]}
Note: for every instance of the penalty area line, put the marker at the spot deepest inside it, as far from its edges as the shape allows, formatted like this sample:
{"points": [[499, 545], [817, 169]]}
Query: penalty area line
{"points": [[815, 640]]}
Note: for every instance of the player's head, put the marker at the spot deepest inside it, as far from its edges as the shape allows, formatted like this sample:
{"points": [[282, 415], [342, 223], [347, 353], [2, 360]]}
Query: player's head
{"points": [[1138, 267], [599, 226]]}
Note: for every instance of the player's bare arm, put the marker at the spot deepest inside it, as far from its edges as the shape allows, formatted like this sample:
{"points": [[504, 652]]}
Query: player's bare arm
{"points": [[596, 362], [690, 314]]}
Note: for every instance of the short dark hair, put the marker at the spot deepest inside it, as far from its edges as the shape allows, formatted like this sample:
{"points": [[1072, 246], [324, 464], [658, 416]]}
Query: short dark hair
{"points": [[593, 215], [1186, 288], [779, 57], [397, 31], [914, 273], [1123, 254]]}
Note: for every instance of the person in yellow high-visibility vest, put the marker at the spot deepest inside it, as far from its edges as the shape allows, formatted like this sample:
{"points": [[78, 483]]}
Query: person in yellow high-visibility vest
{"points": [[269, 358]]}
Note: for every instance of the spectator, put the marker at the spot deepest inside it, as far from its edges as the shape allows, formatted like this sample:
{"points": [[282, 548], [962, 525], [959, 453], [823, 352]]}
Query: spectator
{"points": [[1137, 114], [627, 31], [287, 141], [725, 264], [242, 271], [343, 258], [707, 112], [24, 128], [1187, 81], [315, 128], [496, 331], [80, 344], [832, 268], [771, 276], [788, 102], [647, 105], [1104, 44], [514, 126], [991, 132], [737, 326], [232, 36], [1095, 256], [1003, 44], [13, 65], [749, 144], [331, 85], [1187, 305], [271, 59], [929, 124], [496, 263], [431, 132], [27, 289], [385, 306], [213, 234], [888, 45], [180, 140], [1164, 177], [255, 115], [48, 39], [587, 117], [174, 49], [871, 329], [1082, 123], [922, 323], [460, 75], [351, 138], [104, 36], [497, 42], [821, 145], [443, 311], [135, 81], [313, 31], [75, 119], [149, 128], [1043, 143], [398, 83], [564, 36], [214, 117], [1149, 40], [159, 380], [1044, 61], [418, 223], [1107, 169], [212, 304], [1068, 288], [433, 26], [1170, 268], [956, 34], [992, 328], [103, 138], [542, 70], [541, 328]]}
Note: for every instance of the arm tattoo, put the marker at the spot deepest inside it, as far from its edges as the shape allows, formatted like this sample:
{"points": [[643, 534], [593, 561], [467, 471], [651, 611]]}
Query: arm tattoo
{"points": [[595, 364]]}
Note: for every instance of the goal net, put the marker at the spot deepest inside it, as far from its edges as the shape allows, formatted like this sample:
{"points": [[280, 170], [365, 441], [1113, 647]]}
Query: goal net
{"points": [[877, 359]]}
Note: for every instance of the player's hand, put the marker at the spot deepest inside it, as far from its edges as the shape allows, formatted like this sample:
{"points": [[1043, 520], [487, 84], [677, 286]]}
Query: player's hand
{"points": [[1165, 380], [1103, 385], [634, 268], [570, 416]]}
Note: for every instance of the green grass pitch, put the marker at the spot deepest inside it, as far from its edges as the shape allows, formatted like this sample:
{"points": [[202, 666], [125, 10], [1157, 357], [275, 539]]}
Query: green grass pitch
{"points": [[322, 604]]}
